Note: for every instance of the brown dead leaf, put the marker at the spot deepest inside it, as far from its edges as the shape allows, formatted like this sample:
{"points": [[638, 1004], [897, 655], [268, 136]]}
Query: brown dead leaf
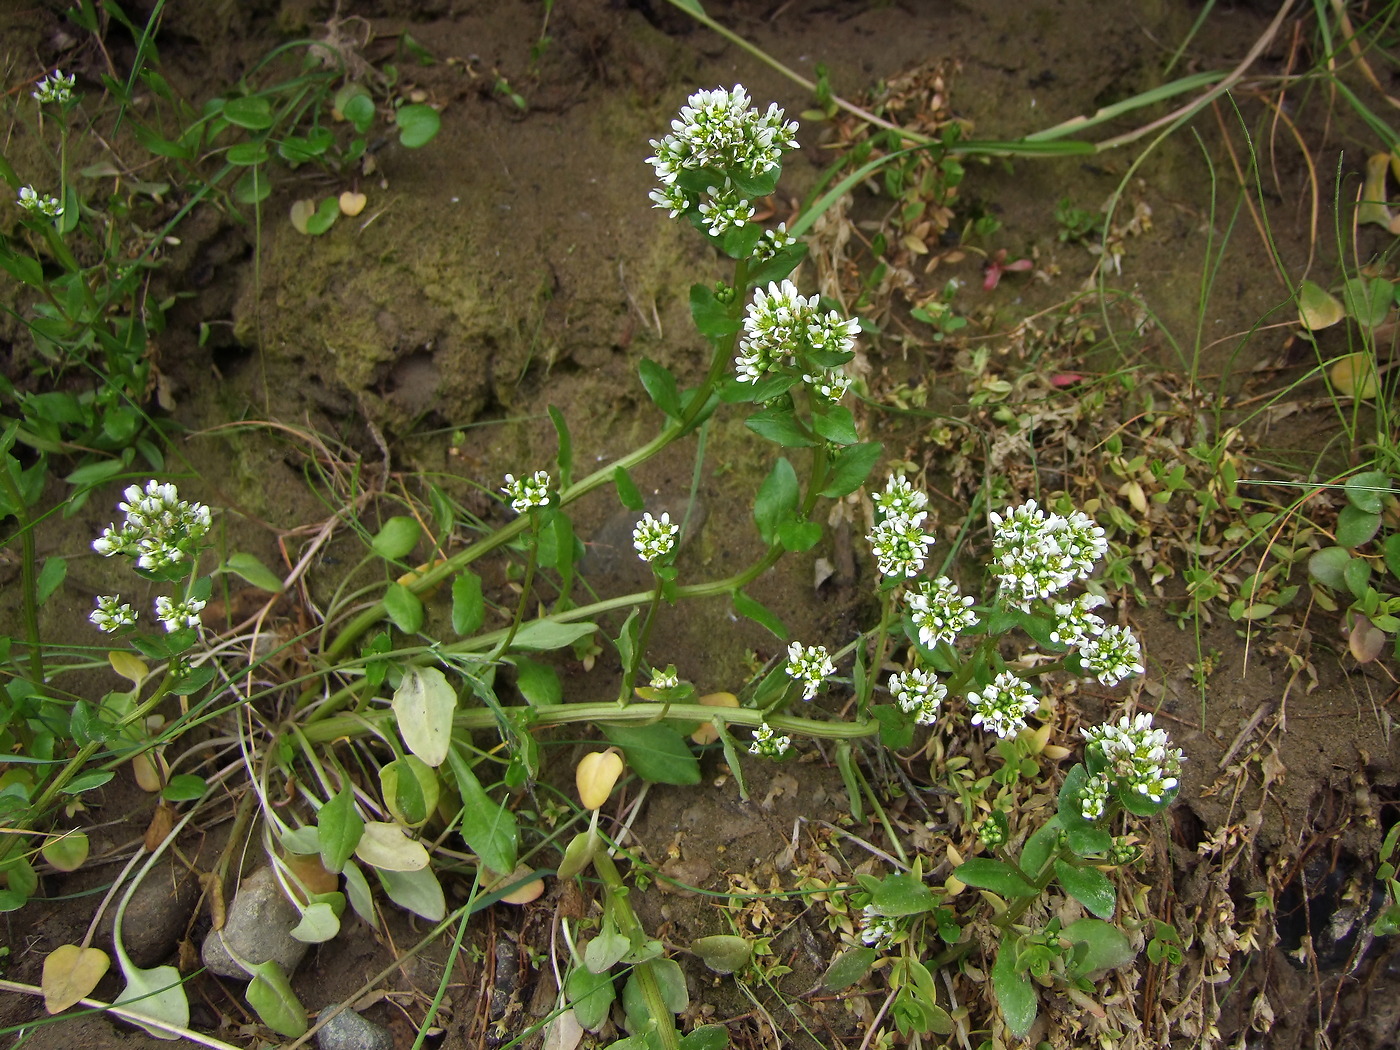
{"points": [[162, 820]]}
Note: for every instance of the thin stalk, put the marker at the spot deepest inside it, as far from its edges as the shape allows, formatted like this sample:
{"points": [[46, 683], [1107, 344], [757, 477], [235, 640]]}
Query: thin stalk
{"points": [[629, 674], [28, 579], [527, 585]]}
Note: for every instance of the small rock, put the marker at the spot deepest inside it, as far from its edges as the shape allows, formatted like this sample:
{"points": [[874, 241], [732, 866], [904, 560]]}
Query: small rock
{"points": [[347, 1030], [156, 917], [258, 928]]}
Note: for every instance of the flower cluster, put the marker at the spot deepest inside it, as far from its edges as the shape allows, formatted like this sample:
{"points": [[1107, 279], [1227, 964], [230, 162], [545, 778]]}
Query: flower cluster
{"points": [[36, 204], [780, 325], [528, 492], [940, 611], [898, 539], [112, 614], [810, 665], [919, 693], [830, 385], [667, 679], [175, 615], [1002, 706], [1137, 758], [769, 743], [654, 537], [878, 931], [1112, 655], [1035, 554], [161, 530], [1075, 620], [55, 88], [722, 134], [771, 243]]}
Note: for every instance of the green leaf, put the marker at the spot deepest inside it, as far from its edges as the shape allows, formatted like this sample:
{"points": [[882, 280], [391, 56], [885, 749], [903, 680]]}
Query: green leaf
{"points": [[86, 782], [706, 1037], [723, 953], [1015, 993], [1105, 946], [468, 606], [848, 968], [184, 787], [850, 467], [538, 684], [424, 704], [1366, 491], [776, 500], [1089, 886], [660, 386], [1357, 576], [323, 218], [156, 994], [409, 788], [1039, 846], [404, 609], [1328, 566], [246, 154], [50, 577], [565, 458], [487, 826], [1356, 527], [542, 635], [1367, 300], [249, 568], [657, 753], [396, 538], [779, 424], [253, 187], [319, 923], [356, 106], [752, 609], [340, 827], [902, 894], [994, 875], [358, 892], [712, 317], [627, 492], [799, 536], [418, 125], [253, 113], [690, 7], [835, 423], [591, 996], [1087, 840], [416, 891]]}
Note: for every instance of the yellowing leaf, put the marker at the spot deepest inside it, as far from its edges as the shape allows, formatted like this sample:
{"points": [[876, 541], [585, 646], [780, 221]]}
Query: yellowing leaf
{"points": [[351, 203], [70, 974], [128, 665], [66, 852], [301, 213], [1317, 307], [595, 776], [1354, 375], [387, 847], [707, 734], [1371, 207], [423, 705]]}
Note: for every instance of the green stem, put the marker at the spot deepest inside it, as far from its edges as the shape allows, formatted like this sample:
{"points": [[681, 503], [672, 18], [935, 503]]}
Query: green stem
{"points": [[526, 586], [629, 674], [631, 928]]}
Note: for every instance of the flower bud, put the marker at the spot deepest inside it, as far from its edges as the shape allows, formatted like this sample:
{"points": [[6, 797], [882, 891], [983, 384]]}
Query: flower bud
{"points": [[595, 776]]}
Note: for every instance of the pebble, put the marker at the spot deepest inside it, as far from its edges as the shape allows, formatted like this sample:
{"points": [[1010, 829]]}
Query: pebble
{"points": [[347, 1030], [258, 928]]}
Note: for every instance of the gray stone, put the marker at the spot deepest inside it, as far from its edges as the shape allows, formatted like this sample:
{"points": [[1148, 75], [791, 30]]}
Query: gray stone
{"points": [[347, 1030], [156, 917], [258, 928]]}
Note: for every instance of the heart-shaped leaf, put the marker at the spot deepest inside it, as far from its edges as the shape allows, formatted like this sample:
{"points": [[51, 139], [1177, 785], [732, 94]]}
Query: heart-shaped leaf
{"points": [[158, 995], [387, 847], [70, 974], [67, 852], [352, 203]]}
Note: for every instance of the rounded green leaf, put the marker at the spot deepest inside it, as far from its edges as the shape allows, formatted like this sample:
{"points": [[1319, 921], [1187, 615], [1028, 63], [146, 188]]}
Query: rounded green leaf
{"points": [[848, 968], [1105, 947], [418, 125], [1089, 886], [994, 875], [184, 787], [403, 607], [591, 995], [1356, 527], [246, 154], [1367, 490], [1328, 567], [396, 538], [1015, 993], [340, 827], [387, 847], [409, 788], [416, 891], [319, 923], [723, 953], [254, 113], [67, 852]]}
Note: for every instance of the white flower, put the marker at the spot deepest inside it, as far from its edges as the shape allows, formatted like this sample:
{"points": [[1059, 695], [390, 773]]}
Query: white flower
{"points": [[1036, 554], [1075, 624], [1094, 799], [161, 529], [174, 615], [720, 130], [527, 492], [1112, 655], [654, 537], [772, 242], [667, 679], [830, 385], [1138, 756], [900, 545], [55, 87], [876, 930], [900, 498], [767, 742], [918, 692], [111, 613], [723, 208], [940, 611], [31, 201], [780, 324], [809, 665], [1002, 707]]}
